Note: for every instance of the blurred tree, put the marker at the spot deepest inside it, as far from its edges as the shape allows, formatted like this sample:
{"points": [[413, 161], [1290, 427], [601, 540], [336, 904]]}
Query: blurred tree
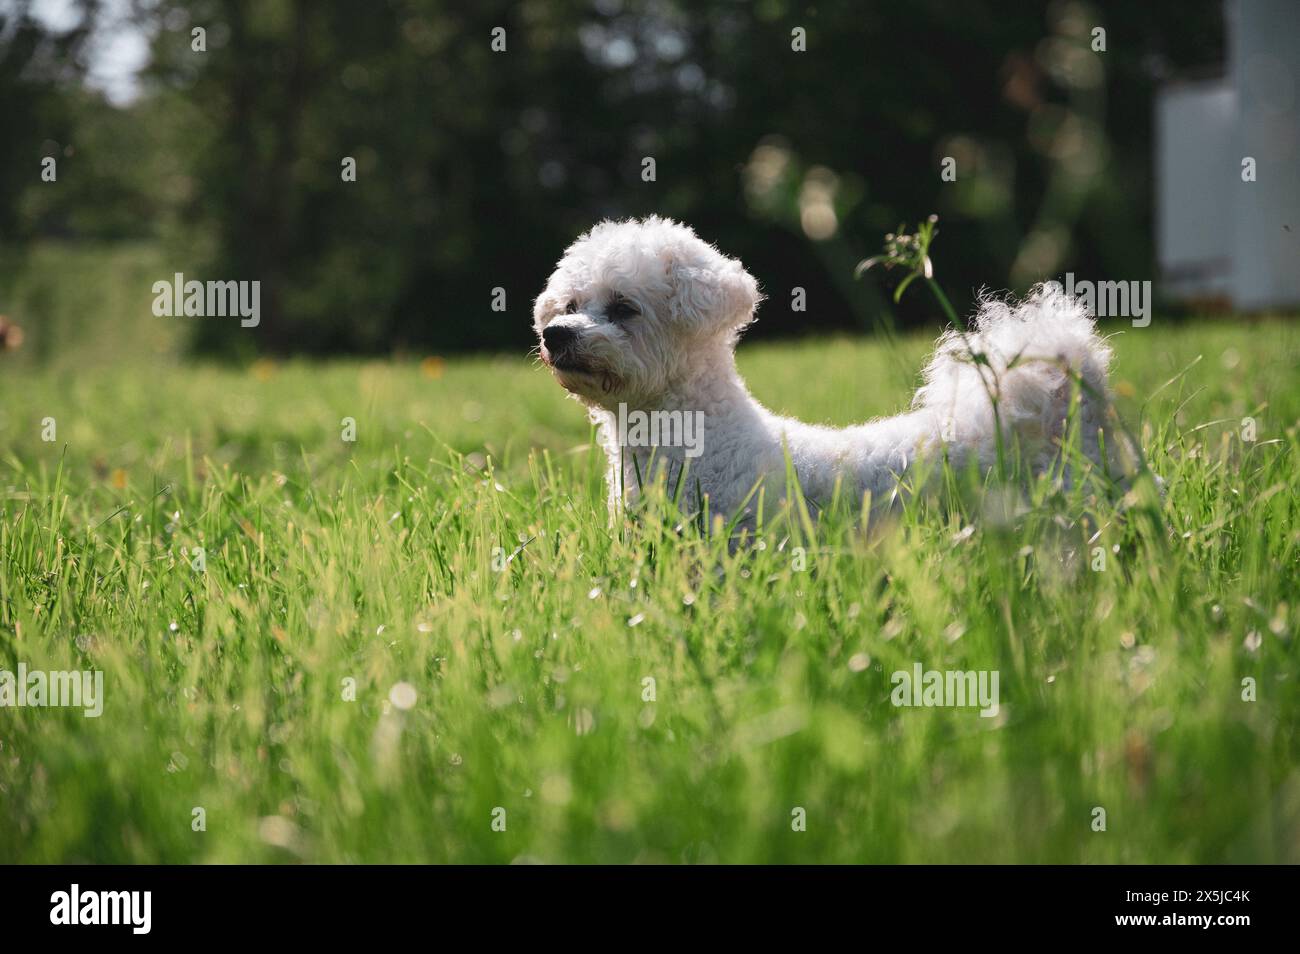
{"points": [[476, 166], [38, 64]]}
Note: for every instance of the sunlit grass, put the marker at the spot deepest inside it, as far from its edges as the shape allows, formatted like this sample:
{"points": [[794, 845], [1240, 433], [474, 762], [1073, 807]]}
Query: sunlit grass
{"points": [[460, 548]]}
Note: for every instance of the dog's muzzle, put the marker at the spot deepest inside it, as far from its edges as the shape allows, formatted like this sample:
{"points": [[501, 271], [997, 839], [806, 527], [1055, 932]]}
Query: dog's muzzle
{"points": [[558, 346], [558, 337]]}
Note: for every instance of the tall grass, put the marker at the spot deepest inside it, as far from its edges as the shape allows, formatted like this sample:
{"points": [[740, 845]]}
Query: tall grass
{"points": [[637, 692]]}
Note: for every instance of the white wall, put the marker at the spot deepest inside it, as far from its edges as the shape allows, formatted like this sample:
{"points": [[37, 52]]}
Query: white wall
{"points": [[1264, 62], [1195, 130], [1217, 234]]}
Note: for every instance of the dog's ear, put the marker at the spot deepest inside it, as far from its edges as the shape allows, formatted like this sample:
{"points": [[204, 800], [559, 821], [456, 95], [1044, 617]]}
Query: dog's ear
{"points": [[719, 296]]}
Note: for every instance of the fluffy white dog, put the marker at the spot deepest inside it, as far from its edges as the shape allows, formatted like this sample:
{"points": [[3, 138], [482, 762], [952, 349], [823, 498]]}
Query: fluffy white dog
{"points": [[640, 321]]}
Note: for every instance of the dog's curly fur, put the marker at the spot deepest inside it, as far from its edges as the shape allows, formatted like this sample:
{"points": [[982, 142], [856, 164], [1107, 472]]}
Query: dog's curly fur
{"points": [[644, 314]]}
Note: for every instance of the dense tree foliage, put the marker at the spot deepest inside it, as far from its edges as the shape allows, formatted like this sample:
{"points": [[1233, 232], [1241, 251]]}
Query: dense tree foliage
{"points": [[475, 166]]}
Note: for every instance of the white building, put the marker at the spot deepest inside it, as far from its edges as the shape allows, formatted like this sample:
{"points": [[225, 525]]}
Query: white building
{"points": [[1228, 168]]}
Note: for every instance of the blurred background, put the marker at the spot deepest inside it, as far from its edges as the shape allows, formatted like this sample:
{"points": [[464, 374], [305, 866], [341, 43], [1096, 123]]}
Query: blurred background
{"points": [[475, 167]]}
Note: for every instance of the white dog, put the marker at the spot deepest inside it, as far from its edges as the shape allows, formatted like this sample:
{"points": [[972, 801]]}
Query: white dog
{"points": [[640, 320]]}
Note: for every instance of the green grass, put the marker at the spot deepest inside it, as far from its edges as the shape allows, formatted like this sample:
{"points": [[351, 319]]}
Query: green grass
{"points": [[86, 305], [373, 561]]}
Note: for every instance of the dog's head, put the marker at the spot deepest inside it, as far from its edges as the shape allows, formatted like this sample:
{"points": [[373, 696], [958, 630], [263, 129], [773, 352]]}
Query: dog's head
{"points": [[635, 308]]}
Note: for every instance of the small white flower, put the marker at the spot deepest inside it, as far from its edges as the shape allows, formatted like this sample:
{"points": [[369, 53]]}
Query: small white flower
{"points": [[402, 696]]}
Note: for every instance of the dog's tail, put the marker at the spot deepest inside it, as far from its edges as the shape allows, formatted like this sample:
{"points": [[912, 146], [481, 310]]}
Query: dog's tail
{"points": [[1043, 362]]}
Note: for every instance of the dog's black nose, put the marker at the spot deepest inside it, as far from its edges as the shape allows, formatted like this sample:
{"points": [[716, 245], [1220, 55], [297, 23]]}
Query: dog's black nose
{"points": [[557, 337]]}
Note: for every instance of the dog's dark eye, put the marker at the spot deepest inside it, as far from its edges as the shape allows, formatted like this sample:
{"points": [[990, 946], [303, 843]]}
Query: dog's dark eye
{"points": [[571, 308], [621, 309]]}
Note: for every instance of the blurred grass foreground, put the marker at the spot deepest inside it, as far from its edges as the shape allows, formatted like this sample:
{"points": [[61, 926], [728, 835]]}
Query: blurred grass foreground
{"points": [[428, 644]]}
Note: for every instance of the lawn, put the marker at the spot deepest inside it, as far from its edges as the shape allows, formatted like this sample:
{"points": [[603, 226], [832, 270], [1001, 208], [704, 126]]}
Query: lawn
{"points": [[428, 644]]}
